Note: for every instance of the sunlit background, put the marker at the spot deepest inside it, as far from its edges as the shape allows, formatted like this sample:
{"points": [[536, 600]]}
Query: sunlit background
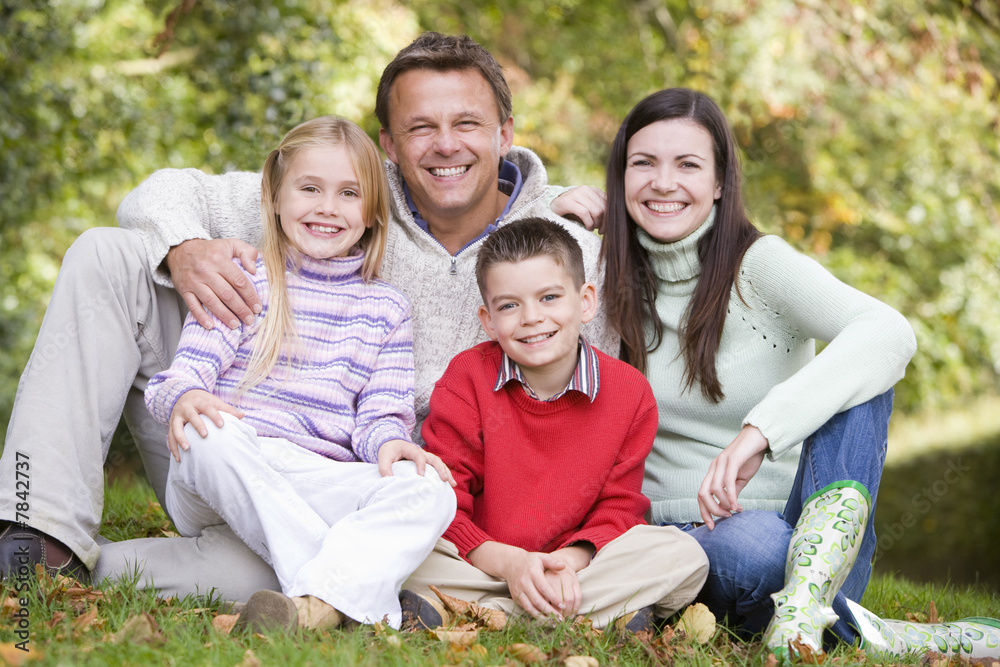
{"points": [[869, 132]]}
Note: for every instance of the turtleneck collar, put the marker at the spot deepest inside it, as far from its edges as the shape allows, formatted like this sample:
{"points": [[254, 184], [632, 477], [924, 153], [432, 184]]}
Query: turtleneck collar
{"points": [[334, 269], [678, 260]]}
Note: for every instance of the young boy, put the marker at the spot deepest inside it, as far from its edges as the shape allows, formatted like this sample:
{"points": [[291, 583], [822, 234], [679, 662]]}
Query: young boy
{"points": [[547, 437]]}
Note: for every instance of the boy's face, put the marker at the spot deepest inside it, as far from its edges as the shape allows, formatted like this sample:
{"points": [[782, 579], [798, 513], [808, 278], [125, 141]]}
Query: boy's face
{"points": [[534, 311]]}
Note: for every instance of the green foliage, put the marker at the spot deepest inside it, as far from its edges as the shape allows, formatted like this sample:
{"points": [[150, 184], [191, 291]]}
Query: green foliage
{"points": [[869, 129]]}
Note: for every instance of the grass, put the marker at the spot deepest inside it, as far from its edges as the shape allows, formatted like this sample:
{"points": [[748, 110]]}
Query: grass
{"points": [[121, 625]]}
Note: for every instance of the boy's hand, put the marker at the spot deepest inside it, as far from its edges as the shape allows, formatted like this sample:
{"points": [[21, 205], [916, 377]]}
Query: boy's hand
{"points": [[567, 587], [397, 450], [538, 583], [728, 473], [188, 409]]}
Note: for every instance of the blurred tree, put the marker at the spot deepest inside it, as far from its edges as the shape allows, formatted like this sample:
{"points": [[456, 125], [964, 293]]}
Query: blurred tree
{"points": [[87, 110], [869, 129]]}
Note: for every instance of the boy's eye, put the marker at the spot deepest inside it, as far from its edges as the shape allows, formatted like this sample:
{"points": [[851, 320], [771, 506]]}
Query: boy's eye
{"points": [[505, 306], [550, 297]]}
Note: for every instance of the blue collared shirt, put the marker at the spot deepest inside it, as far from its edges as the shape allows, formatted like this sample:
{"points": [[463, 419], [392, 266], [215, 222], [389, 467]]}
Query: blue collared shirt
{"points": [[509, 183], [586, 378]]}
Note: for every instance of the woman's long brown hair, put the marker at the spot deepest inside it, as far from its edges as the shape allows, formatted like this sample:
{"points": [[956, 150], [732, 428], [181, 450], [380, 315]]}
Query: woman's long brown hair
{"points": [[630, 285]]}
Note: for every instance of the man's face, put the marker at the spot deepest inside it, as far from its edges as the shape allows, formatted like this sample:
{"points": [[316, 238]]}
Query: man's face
{"points": [[445, 135]]}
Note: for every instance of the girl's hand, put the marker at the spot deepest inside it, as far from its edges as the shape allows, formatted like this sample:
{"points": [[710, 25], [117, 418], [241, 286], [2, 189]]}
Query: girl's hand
{"points": [[729, 473], [398, 450], [188, 409]]}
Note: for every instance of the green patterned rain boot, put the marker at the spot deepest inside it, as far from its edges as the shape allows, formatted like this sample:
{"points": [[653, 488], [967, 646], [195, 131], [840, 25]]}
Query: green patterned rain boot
{"points": [[974, 638], [821, 553]]}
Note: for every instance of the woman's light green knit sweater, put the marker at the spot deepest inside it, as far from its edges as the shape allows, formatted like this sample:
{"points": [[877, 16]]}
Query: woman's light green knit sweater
{"points": [[767, 365]]}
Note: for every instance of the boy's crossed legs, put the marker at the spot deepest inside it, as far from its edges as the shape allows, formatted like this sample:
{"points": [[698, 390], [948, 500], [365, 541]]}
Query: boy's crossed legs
{"points": [[647, 566]]}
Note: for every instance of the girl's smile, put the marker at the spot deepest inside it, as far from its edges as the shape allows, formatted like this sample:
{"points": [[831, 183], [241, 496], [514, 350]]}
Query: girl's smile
{"points": [[319, 204]]}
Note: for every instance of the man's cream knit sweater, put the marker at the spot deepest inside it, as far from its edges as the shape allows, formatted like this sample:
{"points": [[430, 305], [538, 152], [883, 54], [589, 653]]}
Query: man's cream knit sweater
{"points": [[174, 205]]}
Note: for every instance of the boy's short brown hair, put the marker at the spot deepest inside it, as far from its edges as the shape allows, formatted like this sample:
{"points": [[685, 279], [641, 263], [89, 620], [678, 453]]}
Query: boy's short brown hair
{"points": [[527, 238]]}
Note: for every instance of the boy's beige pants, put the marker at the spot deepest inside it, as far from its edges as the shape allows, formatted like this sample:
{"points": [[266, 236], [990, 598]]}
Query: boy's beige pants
{"points": [[648, 565]]}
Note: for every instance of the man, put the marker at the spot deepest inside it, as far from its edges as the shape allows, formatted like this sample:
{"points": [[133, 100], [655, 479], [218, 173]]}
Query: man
{"points": [[114, 320]]}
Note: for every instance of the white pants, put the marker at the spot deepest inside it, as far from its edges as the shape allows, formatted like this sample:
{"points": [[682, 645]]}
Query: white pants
{"points": [[648, 565], [107, 330], [338, 531]]}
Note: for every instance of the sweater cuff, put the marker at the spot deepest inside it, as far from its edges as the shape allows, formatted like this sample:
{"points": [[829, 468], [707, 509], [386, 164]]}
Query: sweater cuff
{"points": [[465, 535], [379, 434], [599, 536]]}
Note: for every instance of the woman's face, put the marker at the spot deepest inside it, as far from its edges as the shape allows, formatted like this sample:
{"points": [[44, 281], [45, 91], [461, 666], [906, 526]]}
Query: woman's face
{"points": [[670, 183]]}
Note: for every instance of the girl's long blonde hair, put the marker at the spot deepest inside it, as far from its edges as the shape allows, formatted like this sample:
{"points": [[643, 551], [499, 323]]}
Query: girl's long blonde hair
{"points": [[277, 331]]}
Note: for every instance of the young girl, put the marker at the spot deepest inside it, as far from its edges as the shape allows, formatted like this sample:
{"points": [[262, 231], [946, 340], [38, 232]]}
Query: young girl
{"points": [[723, 320], [310, 408]]}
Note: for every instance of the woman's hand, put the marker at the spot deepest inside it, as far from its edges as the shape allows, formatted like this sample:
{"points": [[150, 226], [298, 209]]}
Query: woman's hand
{"points": [[397, 450], [188, 410], [729, 473], [584, 203]]}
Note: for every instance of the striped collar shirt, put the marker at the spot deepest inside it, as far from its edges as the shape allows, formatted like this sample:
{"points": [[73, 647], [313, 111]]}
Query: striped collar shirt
{"points": [[586, 378]]}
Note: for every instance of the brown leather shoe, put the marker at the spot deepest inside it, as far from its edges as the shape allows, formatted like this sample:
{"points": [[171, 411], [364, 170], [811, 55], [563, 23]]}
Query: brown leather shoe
{"points": [[22, 546]]}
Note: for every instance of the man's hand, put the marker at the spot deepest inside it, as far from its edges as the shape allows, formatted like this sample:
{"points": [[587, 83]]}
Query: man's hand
{"points": [[397, 450], [729, 472], [583, 204], [188, 409], [204, 275]]}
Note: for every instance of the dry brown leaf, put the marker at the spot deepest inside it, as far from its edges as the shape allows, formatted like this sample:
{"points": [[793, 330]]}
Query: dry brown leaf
{"points": [[527, 653], [249, 660], [457, 637], [489, 619], [454, 605], [807, 654], [140, 629], [11, 655], [932, 613], [57, 618], [10, 605], [82, 623], [479, 651], [394, 641], [772, 660], [582, 661], [224, 623], [699, 623]]}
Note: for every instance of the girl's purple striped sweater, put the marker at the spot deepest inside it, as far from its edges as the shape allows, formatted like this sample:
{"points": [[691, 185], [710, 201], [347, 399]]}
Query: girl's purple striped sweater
{"points": [[349, 390]]}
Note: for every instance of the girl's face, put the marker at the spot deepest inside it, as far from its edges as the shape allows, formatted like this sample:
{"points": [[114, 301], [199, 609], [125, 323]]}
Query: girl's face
{"points": [[670, 184], [319, 202]]}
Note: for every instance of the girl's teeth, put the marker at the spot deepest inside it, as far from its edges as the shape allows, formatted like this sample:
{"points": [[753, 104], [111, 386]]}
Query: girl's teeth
{"points": [[450, 171], [323, 229]]}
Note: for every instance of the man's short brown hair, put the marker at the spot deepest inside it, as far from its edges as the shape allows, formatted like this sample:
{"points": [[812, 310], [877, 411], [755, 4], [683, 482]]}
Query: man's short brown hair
{"points": [[443, 53]]}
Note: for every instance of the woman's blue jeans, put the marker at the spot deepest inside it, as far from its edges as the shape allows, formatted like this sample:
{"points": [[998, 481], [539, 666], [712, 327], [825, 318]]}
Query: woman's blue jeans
{"points": [[747, 552]]}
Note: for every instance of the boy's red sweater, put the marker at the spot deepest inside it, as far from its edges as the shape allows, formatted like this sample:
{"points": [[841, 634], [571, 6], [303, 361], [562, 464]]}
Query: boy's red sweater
{"points": [[541, 475]]}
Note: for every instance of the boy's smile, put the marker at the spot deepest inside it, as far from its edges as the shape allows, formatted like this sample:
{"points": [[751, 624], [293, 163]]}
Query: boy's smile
{"points": [[534, 311]]}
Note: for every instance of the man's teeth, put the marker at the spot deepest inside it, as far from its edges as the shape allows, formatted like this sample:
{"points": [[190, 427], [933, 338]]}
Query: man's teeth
{"points": [[450, 171], [538, 338], [672, 207]]}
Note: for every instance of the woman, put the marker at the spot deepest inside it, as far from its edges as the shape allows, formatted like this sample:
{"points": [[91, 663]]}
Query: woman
{"points": [[723, 320]]}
